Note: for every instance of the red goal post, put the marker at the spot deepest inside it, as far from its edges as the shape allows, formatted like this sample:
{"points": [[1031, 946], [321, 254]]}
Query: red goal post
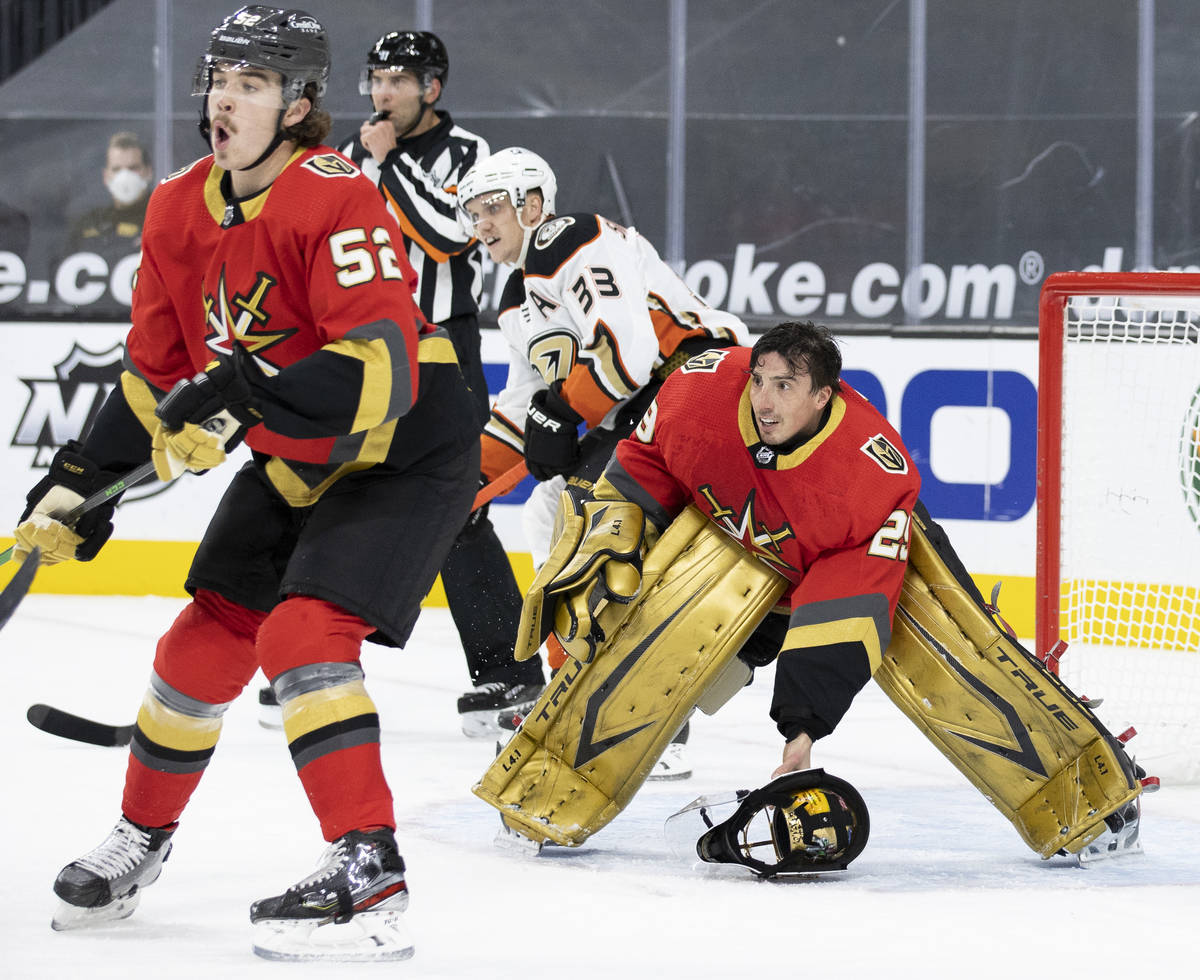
{"points": [[1118, 518]]}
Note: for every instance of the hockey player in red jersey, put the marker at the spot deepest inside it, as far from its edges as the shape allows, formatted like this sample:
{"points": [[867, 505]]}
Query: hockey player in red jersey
{"points": [[271, 305], [810, 478]]}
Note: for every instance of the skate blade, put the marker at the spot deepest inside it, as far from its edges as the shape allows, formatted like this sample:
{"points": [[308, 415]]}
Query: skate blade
{"points": [[68, 916], [480, 724], [1106, 850], [509, 840], [667, 775], [366, 937]]}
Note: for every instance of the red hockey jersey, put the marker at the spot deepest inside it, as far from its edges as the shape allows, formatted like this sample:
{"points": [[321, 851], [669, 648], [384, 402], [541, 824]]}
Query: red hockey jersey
{"points": [[304, 274], [832, 515]]}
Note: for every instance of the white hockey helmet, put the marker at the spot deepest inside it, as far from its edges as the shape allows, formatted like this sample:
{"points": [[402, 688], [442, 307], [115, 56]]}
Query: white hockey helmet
{"points": [[514, 170]]}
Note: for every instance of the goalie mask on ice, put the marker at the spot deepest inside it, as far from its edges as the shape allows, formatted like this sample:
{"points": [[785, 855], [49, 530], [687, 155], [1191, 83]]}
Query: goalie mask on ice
{"points": [[800, 823]]}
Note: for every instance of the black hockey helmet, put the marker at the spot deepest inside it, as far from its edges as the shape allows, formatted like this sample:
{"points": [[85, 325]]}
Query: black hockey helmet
{"points": [[801, 822], [290, 42], [418, 51]]}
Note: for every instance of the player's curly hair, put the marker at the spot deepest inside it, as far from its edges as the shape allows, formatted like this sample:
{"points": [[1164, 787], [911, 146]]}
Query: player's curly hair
{"points": [[313, 129], [809, 349]]}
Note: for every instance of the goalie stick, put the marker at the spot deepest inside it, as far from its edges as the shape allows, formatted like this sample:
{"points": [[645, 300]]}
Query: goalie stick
{"points": [[55, 721]]}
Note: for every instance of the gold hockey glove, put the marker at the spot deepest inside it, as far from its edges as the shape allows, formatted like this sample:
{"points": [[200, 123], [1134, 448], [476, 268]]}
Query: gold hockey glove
{"points": [[202, 418], [72, 478], [596, 559]]}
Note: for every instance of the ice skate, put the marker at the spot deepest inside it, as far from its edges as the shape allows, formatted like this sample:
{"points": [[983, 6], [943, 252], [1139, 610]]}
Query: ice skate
{"points": [[349, 909], [486, 708], [106, 883], [673, 763], [270, 713], [1120, 839]]}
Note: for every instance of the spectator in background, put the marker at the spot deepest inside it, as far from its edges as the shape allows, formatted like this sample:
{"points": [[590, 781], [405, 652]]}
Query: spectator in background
{"points": [[115, 230]]}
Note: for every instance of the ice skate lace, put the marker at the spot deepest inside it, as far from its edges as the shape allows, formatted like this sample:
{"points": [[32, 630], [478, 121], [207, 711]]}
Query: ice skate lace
{"points": [[333, 860], [122, 851]]}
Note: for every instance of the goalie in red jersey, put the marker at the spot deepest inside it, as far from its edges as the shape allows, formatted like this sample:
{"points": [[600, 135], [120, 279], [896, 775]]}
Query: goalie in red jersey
{"points": [[780, 454], [271, 304]]}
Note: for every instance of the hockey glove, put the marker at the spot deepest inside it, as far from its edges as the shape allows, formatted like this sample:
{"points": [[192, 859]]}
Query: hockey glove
{"points": [[596, 559], [202, 418], [71, 479], [551, 434]]}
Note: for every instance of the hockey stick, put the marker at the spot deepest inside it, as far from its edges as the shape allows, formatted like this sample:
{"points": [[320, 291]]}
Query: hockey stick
{"points": [[505, 482], [18, 585], [54, 721], [131, 478]]}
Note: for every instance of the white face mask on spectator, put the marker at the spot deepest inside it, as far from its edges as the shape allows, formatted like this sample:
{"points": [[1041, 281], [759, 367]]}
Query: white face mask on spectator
{"points": [[126, 186]]}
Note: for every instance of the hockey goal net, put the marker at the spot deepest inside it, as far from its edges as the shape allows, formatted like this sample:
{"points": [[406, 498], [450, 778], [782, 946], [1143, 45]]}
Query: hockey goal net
{"points": [[1118, 525]]}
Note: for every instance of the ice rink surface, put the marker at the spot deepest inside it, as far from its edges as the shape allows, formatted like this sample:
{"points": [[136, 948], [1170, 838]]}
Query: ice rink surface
{"points": [[945, 887]]}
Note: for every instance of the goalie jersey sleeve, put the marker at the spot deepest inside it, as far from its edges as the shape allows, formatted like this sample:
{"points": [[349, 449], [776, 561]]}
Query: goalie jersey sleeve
{"points": [[832, 515], [597, 312]]}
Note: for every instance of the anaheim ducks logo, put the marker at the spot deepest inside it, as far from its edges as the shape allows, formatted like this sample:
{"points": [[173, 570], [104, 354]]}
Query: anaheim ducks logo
{"points": [[551, 230], [885, 454], [242, 319]]}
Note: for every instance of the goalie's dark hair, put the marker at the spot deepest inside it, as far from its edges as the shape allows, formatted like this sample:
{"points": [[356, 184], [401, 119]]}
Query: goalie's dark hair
{"points": [[809, 348]]}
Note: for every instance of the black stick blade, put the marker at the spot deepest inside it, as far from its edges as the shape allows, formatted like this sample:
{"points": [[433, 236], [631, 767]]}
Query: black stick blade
{"points": [[66, 725]]}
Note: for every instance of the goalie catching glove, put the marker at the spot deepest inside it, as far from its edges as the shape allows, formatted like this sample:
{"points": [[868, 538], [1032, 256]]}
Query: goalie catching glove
{"points": [[596, 558], [71, 479], [204, 417]]}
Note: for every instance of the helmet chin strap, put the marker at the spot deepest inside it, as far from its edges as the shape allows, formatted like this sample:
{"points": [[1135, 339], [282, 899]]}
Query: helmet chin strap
{"points": [[527, 237], [276, 140]]}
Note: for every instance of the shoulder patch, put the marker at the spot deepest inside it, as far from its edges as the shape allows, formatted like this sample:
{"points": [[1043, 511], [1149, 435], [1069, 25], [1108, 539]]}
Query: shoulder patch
{"points": [[182, 170], [557, 240], [889, 458], [706, 362], [331, 165], [551, 230]]}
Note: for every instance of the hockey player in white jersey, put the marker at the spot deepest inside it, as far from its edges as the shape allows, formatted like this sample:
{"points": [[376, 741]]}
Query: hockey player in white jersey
{"points": [[594, 321]]}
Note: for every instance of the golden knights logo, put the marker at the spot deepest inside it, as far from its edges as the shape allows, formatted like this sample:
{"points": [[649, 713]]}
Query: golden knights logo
{"points": [[238, 318], [331, 165], [705, 362], [885, 454], [743, 526], [61, 407]]}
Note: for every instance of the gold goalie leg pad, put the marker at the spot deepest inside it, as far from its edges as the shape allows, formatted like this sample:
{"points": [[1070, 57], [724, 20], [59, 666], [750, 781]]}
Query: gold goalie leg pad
{"points": [[1010, 726], [588, 744]]}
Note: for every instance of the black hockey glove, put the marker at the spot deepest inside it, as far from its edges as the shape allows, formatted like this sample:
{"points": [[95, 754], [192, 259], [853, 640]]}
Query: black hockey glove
{"points": [[551, 434], [71, 479], [202, 418]]}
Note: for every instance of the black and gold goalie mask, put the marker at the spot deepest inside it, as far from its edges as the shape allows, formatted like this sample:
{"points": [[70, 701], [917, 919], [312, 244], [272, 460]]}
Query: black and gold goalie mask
{"points": [[800, 823]]}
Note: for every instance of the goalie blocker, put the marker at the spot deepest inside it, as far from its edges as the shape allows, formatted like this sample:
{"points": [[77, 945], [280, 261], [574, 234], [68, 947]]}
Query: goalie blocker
{"points": [[1030, 745]]}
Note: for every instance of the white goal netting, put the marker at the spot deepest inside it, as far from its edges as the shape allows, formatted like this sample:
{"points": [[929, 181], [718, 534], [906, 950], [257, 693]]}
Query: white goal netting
{"points": [[1129, 532]]}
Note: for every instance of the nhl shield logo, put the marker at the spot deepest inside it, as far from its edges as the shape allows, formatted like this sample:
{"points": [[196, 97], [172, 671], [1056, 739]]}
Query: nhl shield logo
{"points": [[885, 454], [61, 407]]}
